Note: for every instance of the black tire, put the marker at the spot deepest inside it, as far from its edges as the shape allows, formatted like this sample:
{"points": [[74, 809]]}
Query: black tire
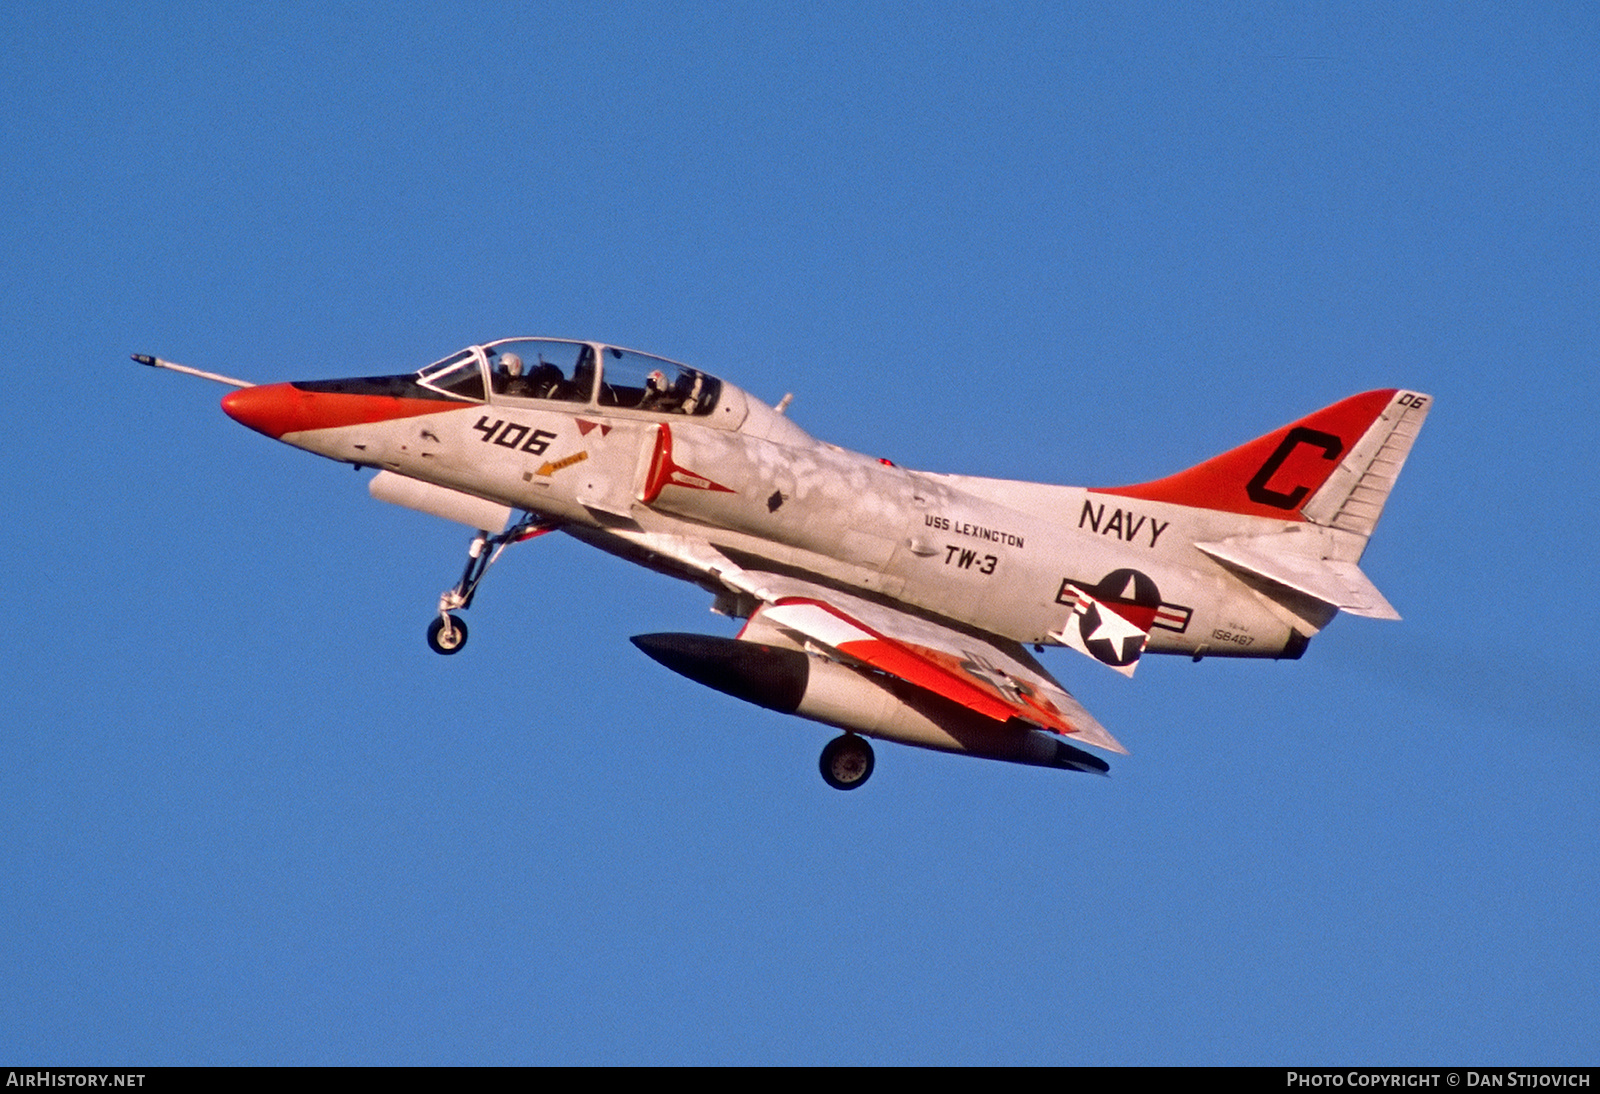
{"points": [[846, 762], [445, 641]]}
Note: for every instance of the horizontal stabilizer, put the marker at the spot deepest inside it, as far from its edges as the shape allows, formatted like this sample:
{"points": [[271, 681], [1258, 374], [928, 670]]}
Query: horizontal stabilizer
{"points": [[1298, 561]]}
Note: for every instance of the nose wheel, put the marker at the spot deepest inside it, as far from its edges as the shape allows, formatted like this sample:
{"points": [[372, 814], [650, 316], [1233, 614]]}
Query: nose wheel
{"points": [[447, 634], [846, 762]]}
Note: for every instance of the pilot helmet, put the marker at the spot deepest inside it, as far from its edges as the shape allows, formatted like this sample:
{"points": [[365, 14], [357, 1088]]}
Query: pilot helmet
{"points": [[511, 363]]}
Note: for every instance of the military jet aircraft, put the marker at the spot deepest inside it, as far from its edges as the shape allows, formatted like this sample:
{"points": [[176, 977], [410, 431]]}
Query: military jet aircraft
{"points": [[886, 602]]}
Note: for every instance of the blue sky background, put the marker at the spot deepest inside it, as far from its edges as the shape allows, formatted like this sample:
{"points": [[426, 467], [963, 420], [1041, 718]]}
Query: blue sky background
{"points": [[250, 818]]}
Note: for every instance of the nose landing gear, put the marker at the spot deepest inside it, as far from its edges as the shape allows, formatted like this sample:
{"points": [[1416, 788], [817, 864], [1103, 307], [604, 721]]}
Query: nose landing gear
{"points": [[447, 634]]}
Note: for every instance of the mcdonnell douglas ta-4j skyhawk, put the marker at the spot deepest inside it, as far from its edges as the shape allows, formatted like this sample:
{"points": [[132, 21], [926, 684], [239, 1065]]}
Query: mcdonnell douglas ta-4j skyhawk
{"points": [[887, 602]]}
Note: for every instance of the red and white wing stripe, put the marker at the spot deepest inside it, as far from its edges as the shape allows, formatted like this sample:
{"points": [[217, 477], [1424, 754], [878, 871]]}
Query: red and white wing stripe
{"points": [[976, 673], [834, 629], [993, 676]]}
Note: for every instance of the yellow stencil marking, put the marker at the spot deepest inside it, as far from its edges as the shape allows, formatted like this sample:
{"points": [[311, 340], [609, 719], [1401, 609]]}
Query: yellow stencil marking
{"points": [[565, 461]]}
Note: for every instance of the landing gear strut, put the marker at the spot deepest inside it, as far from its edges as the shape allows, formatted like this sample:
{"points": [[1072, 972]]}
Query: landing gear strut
{"points": [[846, 762], [448, 634]]}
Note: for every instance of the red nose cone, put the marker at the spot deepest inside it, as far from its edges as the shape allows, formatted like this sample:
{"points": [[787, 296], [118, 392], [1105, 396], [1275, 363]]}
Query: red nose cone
{"points": [[281, 409], [273, 409]]}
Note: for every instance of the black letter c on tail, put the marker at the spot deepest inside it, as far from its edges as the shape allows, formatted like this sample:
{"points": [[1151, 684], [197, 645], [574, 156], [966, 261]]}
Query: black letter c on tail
{"points": [[1257, 487]]}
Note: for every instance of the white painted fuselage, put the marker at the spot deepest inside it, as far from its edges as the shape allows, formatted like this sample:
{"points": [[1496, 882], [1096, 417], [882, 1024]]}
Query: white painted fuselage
{"points": [[880, 574]]}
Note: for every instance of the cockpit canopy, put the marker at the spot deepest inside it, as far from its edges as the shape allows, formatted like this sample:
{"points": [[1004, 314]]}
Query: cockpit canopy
{"points": [[573, 372]]}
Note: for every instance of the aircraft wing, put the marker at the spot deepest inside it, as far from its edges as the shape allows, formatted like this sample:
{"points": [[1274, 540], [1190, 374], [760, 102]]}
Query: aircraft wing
{"points": [[993, 676], [986, 673]]}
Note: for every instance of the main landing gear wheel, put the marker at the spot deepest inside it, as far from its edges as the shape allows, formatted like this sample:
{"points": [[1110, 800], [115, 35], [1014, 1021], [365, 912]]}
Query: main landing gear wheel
{"points": [[846, 762], [447, 634]]}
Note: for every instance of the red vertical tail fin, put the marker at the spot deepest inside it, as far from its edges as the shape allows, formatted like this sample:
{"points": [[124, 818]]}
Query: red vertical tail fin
{"points": [[1332, 471], [1334, 467]]}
